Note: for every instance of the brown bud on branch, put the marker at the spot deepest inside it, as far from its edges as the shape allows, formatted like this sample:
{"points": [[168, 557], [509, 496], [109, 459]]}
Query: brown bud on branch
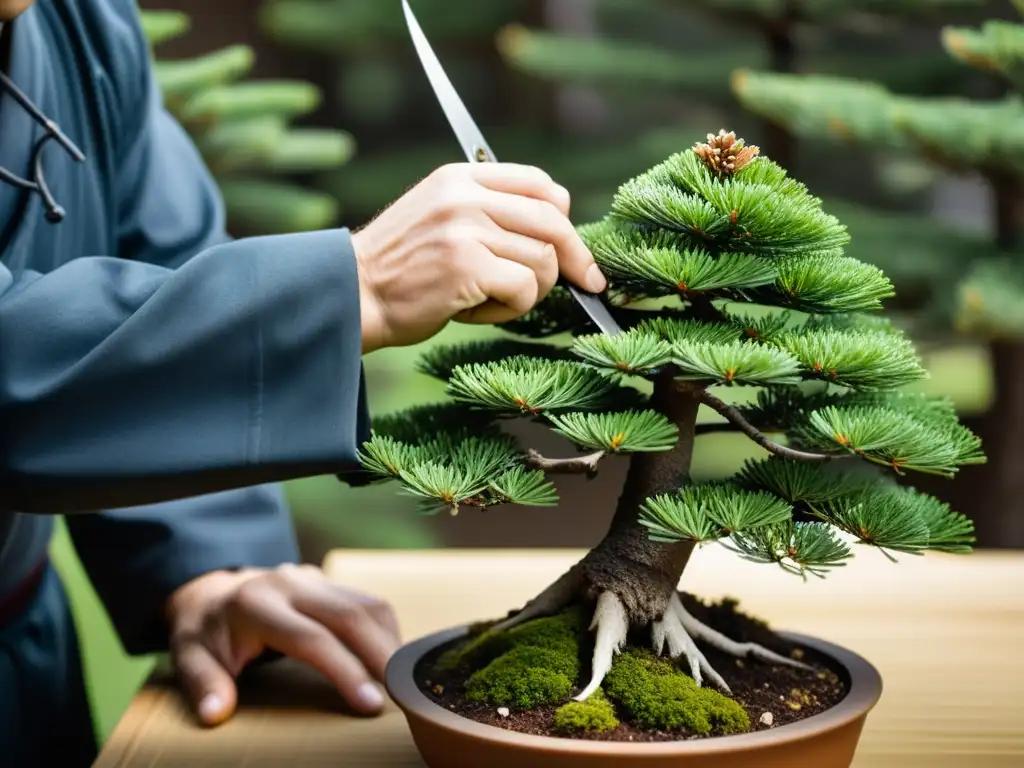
{"points": [[724, 154]]}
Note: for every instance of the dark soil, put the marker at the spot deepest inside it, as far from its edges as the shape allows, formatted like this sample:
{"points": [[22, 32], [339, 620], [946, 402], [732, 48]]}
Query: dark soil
{"points": [[787, 693]]}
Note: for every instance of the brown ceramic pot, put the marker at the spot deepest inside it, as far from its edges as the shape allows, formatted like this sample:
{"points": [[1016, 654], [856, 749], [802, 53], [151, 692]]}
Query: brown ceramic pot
{"points": [[447, 740]]}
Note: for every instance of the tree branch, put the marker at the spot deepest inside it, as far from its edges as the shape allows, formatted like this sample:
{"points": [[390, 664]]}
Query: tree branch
{"points": [[577, 465], [736, 418]]}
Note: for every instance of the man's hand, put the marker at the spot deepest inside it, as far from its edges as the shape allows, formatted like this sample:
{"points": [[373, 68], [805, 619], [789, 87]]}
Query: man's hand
{"points": [[474, 243], [223, 620]]}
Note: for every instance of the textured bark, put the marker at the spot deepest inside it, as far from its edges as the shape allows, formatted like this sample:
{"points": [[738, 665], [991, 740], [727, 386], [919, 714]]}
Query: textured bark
{"points": [[642, 573]]}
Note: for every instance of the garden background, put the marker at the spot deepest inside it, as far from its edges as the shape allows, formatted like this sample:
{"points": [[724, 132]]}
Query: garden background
{"points": [[594, 91]]}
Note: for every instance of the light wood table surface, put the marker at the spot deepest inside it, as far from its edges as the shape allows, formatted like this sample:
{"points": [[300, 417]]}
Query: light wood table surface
{"points": [[946, 632]]}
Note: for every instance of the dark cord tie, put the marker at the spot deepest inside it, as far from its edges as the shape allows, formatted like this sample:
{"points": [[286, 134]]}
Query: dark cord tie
{"points": [[54, 212]]}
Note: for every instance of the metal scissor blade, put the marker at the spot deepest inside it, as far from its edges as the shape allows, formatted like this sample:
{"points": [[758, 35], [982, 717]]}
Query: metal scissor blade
{"points": [[473, 143], [596, 310], [477, 151]]}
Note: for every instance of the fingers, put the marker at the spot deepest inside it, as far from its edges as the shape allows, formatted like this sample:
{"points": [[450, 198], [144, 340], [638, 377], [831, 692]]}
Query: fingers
{"points": [[540, 220], [526, 180], [513, 290], [539, 256], [351, 622], [294, 634], [209, 687]]}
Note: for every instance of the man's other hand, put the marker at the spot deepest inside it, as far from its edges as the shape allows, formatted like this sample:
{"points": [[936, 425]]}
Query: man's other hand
{"points": [[223, 620]]}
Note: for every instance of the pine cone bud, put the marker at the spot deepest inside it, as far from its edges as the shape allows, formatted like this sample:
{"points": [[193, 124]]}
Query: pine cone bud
{"points": [[724, 154]]}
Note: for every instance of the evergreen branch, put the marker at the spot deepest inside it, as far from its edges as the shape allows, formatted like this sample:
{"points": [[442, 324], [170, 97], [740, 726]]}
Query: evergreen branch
{"points": [[737, 418], [441, 361], [450, 418], [738, 362], [799, 482], [777, 409], [621, 432], [899, 519], [899, 434], [522, 487], [768, 328], [531, 385], [711, 511], [827, 282], [663, 263], [798, 548], [575, 465], [678, 331], [869, 360], [998, 45], [633, 351]]}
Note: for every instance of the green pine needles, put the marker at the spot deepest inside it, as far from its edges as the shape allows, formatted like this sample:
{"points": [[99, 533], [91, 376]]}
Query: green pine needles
{"points": [[725, 272]]}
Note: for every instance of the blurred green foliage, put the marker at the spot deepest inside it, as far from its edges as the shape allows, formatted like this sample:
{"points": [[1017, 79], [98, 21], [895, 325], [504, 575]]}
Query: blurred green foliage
{"points": [[246, 135]]}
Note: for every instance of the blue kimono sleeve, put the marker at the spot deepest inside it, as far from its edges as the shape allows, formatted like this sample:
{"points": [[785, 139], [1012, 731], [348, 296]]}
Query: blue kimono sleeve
{"points": [[136, 558], [209, 366]]}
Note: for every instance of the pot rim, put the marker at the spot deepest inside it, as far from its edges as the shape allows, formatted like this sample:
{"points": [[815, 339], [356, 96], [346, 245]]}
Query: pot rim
{"points": [[865, 691]]}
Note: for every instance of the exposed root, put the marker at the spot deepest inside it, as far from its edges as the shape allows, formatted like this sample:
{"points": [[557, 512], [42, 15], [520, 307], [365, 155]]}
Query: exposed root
{"points": [[553, 599], [700, 631], [670, 631], [674, 634], [612, 625]]}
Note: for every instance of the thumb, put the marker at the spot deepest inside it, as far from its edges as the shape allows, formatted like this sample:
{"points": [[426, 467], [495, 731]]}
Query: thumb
{"points": [[208, 686]]}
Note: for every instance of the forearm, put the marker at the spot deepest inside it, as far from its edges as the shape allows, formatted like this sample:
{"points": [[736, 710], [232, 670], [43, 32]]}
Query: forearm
{"points": [[126, 383]]}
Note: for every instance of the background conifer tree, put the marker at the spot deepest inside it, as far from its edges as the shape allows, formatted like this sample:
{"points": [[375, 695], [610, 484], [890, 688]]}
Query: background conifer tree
{"points": [[245, 134], [725, 272], [663, 68], [976, 291]]}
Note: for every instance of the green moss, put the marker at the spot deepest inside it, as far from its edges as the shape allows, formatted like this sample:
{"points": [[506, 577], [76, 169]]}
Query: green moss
{"points": [[595, 714], [535, 663], [658, 695], [561, 631], [524, 677]]}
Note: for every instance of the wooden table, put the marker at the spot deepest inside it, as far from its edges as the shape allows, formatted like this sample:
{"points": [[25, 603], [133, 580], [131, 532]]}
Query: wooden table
{"points": [[947, 634]]}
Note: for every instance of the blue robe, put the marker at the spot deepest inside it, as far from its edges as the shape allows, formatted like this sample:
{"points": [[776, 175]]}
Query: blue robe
{"points": [[144, 358]]}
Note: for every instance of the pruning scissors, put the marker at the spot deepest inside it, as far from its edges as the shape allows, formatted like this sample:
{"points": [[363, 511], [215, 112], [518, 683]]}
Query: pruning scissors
{"points": [[475, 147]]}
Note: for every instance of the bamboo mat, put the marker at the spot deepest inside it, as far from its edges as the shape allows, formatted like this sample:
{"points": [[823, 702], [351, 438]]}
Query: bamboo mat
{"points": [[946, 632]]}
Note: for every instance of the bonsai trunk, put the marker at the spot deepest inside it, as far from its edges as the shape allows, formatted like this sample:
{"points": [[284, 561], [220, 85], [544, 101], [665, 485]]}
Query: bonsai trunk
{"points": [[632, 581], [644, 574]]}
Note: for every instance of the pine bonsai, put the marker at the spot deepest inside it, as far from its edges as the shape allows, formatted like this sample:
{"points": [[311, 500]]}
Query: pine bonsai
{"points": [[687, 245]]}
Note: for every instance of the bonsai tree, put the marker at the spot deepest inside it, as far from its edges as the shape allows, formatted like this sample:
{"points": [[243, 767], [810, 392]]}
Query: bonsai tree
{"points": [[970, 291], [245, 134], [687, 246]]}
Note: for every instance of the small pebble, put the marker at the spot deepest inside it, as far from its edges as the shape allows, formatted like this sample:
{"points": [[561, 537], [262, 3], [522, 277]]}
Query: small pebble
{"points": [[797, 654], [503, 711], [766, 719]]}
